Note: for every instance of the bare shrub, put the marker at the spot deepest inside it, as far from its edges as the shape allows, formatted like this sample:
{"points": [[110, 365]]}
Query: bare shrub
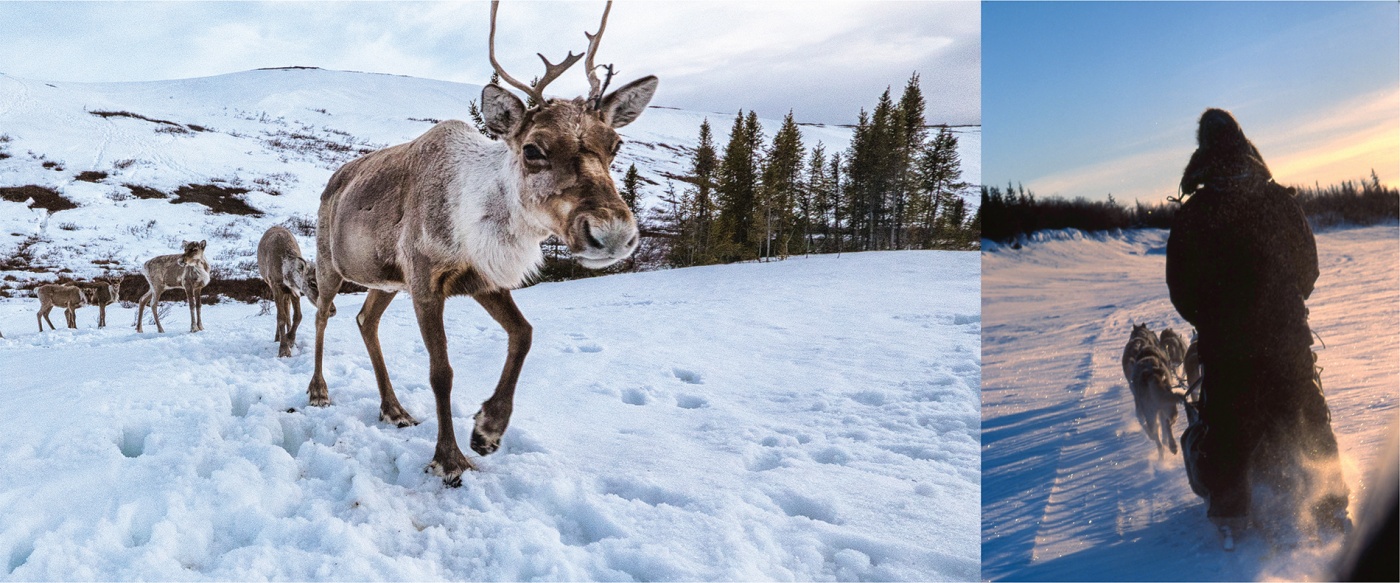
{"points": [[301, 225], [143, 231]]}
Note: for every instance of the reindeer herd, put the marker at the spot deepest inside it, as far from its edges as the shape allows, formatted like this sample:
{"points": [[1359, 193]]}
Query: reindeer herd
{"points": [[450, 213], [1151, 364], [279, 260]]}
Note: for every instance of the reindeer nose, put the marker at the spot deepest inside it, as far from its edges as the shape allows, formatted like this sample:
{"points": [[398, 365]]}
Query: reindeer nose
{"points": [[605, 241], [612, 237]]}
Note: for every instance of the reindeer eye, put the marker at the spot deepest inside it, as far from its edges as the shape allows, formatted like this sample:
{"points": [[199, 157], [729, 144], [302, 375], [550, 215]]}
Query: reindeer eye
{"points": [[533, 153], [617, 147]]}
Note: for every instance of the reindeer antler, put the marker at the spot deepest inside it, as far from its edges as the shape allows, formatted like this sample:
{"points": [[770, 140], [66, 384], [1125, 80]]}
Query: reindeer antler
{"points": [[596, 88], [551, 71]]}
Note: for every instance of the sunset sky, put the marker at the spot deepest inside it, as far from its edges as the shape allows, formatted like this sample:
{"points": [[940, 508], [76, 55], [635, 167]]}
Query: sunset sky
{"points": [[1088, 99]]}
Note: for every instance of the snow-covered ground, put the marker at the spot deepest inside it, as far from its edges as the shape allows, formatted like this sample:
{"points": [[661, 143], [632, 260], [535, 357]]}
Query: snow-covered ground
{"points": [[1072, 487], [277, 133], [810, 419]]}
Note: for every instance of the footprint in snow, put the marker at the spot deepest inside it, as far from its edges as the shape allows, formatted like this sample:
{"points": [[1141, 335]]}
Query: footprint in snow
{"points": [[132, 441], [580, 343], [635, 396], [688, 376]]}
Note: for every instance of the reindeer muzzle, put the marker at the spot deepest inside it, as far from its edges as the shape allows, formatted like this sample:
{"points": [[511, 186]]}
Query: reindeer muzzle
{"points": [[602, 241]]}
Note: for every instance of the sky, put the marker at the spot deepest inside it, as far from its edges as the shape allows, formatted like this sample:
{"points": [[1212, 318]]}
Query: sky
{"points": [[1092, 99], [822, 60]]}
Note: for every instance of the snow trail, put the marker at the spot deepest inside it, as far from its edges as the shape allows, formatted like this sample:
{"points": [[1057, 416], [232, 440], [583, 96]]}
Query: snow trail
{"points": [[1073, 488]]}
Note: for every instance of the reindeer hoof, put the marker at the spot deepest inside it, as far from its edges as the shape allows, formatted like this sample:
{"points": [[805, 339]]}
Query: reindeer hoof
{"points": [[319, 395], [450, 471], [398, 418], [284, 352], [484, 440]]}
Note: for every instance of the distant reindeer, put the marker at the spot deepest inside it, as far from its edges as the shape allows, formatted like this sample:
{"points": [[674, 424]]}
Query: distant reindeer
{"points": [[188, 270], [289, 277], [68, 297], [102, 294], [456, 213], [1139, 340], [1153, 397]]}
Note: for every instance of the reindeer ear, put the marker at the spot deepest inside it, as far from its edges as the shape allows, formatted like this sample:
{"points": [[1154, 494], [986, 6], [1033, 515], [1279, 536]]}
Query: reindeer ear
{"points": [[501, 110], [203, 243], [623, 106]]}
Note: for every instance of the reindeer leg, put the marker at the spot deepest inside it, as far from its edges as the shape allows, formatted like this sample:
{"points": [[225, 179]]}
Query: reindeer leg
{"points": [[494, 416], [199, 307], [155, 308], [102, 316], [281, 308], [284, 346], [141, 310], [448, 460], [70, 317], [41, 316], [189, 302], [390, 411], [295, 301], [329, 284]]}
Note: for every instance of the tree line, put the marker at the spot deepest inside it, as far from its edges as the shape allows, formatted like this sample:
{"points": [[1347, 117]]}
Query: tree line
{"points": [[897, 186], [1017, 211]]}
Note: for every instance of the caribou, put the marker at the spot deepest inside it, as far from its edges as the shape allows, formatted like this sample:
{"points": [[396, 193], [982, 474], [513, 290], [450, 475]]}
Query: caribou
{"points": [[454, 212], [188, 270], [68, 297], [102, 293], [289, 277]]}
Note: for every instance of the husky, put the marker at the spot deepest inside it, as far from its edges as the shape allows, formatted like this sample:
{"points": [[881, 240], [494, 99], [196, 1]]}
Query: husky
{"points": [[1174, 346], [1192, 362], [1141, 338], [1154, 398]]}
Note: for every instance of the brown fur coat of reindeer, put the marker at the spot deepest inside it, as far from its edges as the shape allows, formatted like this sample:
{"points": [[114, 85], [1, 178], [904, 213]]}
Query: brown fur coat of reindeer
{"points": [[188, 270], [456, 213], [288, 277], [68, 297]]}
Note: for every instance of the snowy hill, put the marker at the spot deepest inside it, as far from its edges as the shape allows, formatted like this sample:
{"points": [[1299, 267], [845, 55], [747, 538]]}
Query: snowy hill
{"points": [[810, 419], [1072, 486], [258, 145]]}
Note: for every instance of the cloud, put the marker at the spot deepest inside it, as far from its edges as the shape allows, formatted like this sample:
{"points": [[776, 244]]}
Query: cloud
{"points": [[825, 60]]}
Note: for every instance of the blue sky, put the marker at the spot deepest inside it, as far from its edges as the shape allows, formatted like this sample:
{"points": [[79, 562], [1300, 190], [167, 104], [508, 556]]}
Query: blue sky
{"points": [[825, 60], [1088, 99]]}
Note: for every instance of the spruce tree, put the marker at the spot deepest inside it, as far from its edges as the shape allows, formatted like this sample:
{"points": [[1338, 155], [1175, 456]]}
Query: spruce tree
{"points": [[885, 131], [837, 189], [910, 113], [736, 191], [782, 173], [858, 168], [940, 182], [631, 190], [815, 207], [702, 204]]}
